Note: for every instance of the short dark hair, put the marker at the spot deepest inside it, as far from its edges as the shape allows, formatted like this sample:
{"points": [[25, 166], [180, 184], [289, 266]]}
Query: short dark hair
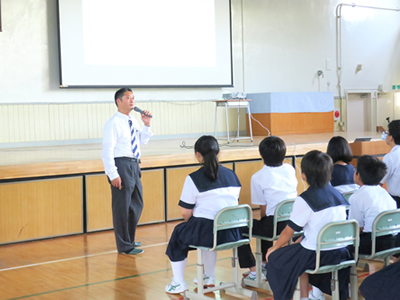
{"points": [[339, 150], [120, 93], [272, 150], [394, 131], [318, 167], [370, 169]]}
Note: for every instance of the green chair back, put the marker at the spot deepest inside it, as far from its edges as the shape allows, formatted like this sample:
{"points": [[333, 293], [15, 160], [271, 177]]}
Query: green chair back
{"points": [[386, 223], [228, 218], [336, 235]]}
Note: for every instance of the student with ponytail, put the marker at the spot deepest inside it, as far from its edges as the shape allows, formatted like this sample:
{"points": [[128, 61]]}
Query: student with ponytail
{"points": [[205, 192]]}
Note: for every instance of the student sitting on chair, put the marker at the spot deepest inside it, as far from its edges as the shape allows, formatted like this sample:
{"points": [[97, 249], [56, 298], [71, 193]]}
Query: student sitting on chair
{"points": [[274, 183], [205, 192], [342, 176], [392, 161], [312, 210], [369, 201]]}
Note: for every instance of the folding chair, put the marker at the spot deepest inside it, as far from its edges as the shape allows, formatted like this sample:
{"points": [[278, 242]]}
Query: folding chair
{"points": [[227, 218], [343, 233], [386, 223], [282, 213]]}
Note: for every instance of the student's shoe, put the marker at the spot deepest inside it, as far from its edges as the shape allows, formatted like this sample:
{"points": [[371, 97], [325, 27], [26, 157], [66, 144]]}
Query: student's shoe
{"points": [[208, 281], [254, 277], [176, 288], [137, 244], [316, 294], [245, 274], [135, 251]]}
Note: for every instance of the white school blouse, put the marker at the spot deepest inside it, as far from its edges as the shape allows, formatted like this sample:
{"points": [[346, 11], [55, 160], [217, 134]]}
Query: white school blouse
{"points": [[368, 202], [272, 185]]}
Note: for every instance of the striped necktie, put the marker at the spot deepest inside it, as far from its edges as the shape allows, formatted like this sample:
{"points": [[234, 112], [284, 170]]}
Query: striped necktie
{"points": [[135, 149]]}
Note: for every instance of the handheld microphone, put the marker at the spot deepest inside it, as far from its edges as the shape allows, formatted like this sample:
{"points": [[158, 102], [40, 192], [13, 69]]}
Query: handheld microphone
{"points": [[141, 111]]}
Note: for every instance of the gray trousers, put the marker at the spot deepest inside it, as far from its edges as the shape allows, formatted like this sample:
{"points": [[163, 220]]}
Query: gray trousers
{"points": [[127, 203]]}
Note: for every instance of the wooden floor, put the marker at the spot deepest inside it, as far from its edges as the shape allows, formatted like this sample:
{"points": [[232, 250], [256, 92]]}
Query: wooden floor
{"points": [[88, 267]]}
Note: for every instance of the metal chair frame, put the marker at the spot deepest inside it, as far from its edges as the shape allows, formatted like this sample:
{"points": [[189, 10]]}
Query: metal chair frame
{"points": [[227, 218]]}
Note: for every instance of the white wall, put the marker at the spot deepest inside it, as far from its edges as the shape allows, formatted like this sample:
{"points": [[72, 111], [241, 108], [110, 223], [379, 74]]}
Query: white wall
{"points": [[285, 42]]}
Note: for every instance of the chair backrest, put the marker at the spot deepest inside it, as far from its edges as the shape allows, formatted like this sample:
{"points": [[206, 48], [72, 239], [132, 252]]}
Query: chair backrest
{"points": [[386, 223], [282, 213], [336, 235], [347, 195], [232, 217]]}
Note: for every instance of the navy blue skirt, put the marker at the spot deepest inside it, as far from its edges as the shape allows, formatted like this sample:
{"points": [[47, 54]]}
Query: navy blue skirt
{"points": [[286, 264], [198, 232], [383, 284]]}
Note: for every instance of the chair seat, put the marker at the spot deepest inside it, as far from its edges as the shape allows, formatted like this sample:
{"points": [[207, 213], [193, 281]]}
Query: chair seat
{"points": [[331, 268], [381, 254], [225, 246]]}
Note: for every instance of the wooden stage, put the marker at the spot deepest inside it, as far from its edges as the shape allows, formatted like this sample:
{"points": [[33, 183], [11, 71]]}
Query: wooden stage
{"points": [[62, 192]]}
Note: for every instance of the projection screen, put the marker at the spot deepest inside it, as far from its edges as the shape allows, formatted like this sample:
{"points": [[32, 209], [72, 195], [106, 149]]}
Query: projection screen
{"points": [[145, 43]]}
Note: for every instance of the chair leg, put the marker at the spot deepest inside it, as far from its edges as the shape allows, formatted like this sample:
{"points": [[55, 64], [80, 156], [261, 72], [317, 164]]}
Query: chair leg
{"points": [[354, 283], [258, 261], [200, 272], [335, 285]]}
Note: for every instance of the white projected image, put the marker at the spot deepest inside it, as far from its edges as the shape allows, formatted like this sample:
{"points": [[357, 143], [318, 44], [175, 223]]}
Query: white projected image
{"points": [[179, 33]]}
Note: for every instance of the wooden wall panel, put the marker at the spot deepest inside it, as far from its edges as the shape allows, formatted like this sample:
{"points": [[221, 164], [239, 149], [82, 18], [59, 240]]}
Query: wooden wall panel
{"points": [[98, 203], [244, 171], [39, 209], [301, 185], [293, 123], [98, 198], [153, 196], [175, 180]]}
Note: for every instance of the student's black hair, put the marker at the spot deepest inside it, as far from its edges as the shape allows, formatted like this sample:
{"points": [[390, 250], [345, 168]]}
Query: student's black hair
{"points": [[120, 93], [339, 150], [272, 150], [370, 169], [208, 147], [394, 131], [318, 167]]}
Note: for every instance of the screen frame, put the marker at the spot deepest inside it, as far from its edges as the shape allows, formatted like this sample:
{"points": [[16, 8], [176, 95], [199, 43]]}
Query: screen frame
{"points": [[66, 86]]}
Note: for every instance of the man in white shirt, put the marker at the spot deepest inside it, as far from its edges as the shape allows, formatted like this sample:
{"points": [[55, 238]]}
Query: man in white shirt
{"points": [[121, 158]]}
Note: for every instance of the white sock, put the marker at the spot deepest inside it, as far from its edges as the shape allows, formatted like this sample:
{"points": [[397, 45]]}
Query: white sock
{"points": [[253, 273], [316, 292], [178, 269], [304, 298], [209, 261]]}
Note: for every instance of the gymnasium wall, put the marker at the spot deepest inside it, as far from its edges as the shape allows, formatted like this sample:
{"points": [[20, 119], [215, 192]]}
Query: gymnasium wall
{"points": [[278, 46]]}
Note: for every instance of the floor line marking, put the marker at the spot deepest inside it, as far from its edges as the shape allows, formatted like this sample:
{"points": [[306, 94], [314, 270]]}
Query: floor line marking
{"points": [[104, 281], [71, 258]]}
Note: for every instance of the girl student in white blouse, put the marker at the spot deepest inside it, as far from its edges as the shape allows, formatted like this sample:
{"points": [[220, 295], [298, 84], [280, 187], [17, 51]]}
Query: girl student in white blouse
{"points": [[313, 209], [205, 192]]}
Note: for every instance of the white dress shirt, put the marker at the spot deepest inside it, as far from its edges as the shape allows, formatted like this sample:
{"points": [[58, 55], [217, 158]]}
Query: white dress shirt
{"points": [[368, 202], [117, 141], [271, 185], [392, 177]]}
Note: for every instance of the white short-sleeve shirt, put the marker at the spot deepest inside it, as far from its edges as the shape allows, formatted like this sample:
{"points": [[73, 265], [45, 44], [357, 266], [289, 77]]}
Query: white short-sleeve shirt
{"points": [[392, 177], [207, 202], [368, 202], [272, 185], [312, 222]]}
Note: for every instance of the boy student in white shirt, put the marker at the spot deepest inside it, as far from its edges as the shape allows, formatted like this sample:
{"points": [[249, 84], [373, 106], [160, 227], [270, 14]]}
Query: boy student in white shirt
{"points": [[369, 201], [392, 161], [274, 183]]}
